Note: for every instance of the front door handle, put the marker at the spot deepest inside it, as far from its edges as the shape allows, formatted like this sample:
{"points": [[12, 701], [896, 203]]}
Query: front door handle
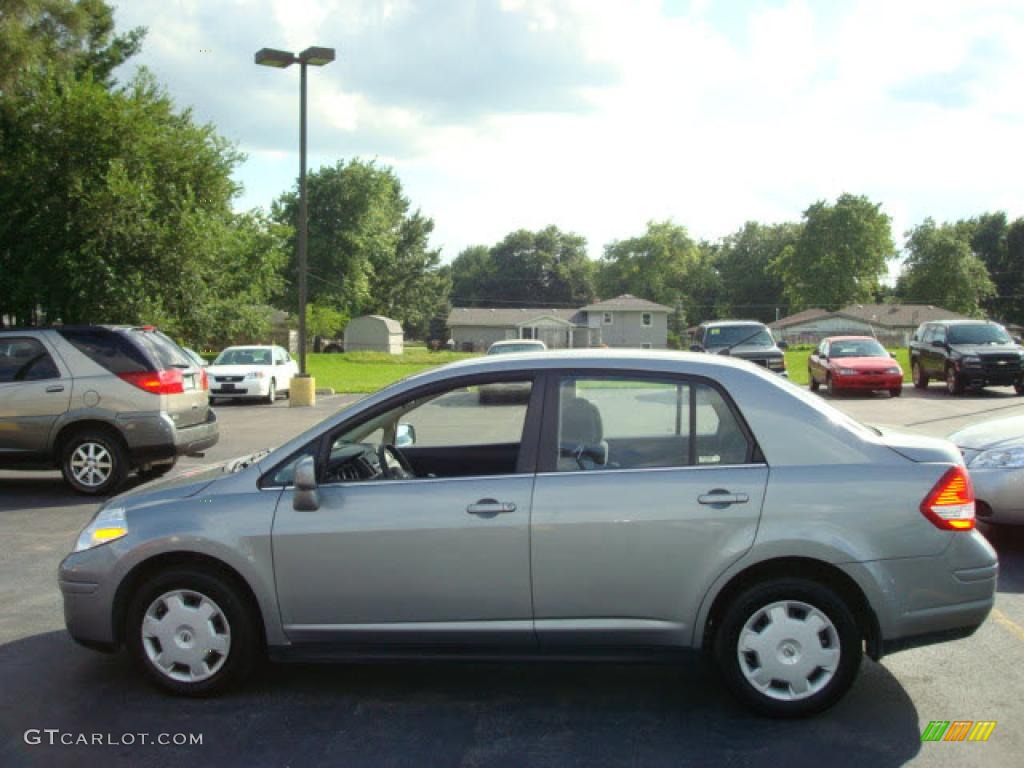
{"points": [[490, 507], [55, 388], [722, 497]]}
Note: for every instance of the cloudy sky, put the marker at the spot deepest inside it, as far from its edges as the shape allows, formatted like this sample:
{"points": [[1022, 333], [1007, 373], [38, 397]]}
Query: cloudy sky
{"points": [[599, 115]]}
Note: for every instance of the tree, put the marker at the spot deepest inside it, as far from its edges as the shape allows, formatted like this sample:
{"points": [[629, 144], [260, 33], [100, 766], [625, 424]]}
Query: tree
{"points": [[664, 265], [322, 320], [941, 269], [1000, 246], [750, 287], [839, 256], [56, 39]]}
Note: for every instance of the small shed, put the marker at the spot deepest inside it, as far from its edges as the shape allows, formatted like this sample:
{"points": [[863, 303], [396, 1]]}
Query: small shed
{"points": [[373, 333]]}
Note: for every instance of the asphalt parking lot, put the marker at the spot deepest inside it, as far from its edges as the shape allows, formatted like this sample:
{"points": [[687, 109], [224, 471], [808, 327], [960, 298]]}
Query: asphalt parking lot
{"points": [[484, 714]]}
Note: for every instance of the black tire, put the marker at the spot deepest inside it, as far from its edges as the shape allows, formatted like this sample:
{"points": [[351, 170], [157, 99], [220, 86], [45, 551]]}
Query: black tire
{"points": [[896, 391], [811, 381], [271, 392], [101, 443], [214, 401], [755, 598], [1019, 389], [954, 384], [830, 386], [157, 470], [245, 634], [919, 376]]}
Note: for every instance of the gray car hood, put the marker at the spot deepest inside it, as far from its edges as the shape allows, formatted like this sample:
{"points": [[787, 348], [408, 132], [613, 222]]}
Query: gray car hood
{"points": [[919, 448], [747, 351], [182, 485], [1000, 433]]}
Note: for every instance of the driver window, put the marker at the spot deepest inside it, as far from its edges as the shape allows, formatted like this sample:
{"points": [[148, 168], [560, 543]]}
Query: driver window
{"points": [[462, 432]]}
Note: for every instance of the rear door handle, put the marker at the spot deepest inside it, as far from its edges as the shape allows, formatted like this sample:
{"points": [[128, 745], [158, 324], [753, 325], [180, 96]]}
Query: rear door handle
{"points": [[722, 497], [55, 388], [490, 507]]}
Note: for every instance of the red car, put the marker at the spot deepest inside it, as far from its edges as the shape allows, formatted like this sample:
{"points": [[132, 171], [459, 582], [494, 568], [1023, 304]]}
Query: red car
{"points": [[854, 362]]}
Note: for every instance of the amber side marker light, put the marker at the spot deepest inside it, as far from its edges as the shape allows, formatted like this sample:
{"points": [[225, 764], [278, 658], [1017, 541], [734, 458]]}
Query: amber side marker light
{"points": [[950, 504]]}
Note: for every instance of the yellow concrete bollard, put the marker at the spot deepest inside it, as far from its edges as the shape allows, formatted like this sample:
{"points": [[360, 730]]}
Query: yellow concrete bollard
{"points": [[303, 391]]}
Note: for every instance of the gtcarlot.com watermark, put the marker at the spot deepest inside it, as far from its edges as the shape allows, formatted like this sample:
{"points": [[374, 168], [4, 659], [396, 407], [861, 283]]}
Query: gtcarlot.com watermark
{"points": [[56, 737]]}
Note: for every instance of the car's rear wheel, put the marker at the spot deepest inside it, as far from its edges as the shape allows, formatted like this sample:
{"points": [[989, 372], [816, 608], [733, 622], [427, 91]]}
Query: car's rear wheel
{"points": [[192, 632], [811, 381], [788, 647], [919, 376], [94, 462], [954, 384], [271, 392]]}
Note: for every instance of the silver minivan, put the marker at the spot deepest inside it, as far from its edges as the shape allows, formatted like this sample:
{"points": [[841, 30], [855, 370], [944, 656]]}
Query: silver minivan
{"points": [[98, 402], [626, 505]]}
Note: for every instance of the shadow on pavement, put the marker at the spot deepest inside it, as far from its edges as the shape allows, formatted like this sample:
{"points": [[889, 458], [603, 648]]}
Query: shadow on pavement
{"points": [[1008, 541], [436, 714]]}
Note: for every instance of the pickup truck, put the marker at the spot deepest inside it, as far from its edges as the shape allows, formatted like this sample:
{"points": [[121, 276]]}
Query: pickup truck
{"points": [[966, 354], [745, 339]]}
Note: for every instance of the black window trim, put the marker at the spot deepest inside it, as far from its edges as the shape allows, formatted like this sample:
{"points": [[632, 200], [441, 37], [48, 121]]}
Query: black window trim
{"points": [[57, 361], [526, 463], [547, 459]]}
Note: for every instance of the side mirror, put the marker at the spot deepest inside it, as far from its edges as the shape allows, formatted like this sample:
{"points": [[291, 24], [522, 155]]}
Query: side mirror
{"points": [[782, 344], [307, 498], [696, 348], [405, 435], [1016, 340]]}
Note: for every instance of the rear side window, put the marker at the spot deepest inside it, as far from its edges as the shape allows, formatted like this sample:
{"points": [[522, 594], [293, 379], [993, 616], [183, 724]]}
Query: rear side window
{"points": [[25, 360], [162, 349], [111, 350]]}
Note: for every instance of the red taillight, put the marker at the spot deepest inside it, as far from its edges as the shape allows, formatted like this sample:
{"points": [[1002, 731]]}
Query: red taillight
{"points": [[158, 382], [950, 504], [204, 380]]}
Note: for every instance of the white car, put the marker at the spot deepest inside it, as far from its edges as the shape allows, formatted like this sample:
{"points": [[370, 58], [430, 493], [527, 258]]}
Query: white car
{"points": [[252, 371], [510, 346]]}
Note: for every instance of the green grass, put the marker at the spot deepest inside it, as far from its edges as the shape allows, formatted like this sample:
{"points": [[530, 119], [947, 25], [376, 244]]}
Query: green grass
{"points": [[796, 363], [363, 372]]}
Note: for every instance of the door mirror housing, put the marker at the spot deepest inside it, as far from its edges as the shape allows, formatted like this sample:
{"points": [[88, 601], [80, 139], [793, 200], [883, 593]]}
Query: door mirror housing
{"points": [[307, 497], [782, 344], [405, 435]]}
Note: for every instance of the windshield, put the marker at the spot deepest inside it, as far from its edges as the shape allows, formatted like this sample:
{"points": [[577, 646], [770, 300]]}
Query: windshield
{"points": [[727, 335], [987, 333], [243, 356], [501, 349], [857, 348]]}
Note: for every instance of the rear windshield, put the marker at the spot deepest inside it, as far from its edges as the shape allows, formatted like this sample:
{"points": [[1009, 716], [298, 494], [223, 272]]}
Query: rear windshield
{"points": [[977, 334], [162, 349], [109, 349], [856, 348], [740, 335]]}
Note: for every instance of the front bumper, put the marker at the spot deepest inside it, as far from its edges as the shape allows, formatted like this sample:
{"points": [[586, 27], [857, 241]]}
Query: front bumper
{"points": [[868, 381], [1001, 492], [249, 388], [85, 580]]}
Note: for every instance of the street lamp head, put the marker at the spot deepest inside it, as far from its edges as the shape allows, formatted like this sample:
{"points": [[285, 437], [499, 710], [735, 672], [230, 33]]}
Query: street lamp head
{"points": [[271, 57], [317, 56]]}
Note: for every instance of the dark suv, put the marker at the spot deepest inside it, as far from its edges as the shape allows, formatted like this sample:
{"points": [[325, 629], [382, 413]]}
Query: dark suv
{"points": [[745, 339], [965, 354], [98, 402]]}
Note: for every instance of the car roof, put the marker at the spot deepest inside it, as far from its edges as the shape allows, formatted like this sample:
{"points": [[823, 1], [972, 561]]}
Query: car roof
{"points": [[250, 346], [731, 322], [516, 341], [850, 338], [962, 322]]}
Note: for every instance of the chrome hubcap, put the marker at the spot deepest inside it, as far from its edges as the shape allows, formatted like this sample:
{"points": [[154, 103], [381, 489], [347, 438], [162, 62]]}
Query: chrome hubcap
{"points": [[91, 464], [788, 650], [186, 636]]}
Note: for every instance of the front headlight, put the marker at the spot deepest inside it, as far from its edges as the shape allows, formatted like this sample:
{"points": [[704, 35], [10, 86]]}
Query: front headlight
{"points": [[893, 370], [1000, 458], [108, 525], [254, 375]]}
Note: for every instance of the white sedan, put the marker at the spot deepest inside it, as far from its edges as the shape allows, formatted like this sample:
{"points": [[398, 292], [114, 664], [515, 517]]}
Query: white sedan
{"points": [[247, 372]]}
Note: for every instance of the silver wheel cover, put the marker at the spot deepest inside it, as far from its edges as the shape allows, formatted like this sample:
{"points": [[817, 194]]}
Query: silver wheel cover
{"points": [[91, 464], [788, 650], [186, 636]]}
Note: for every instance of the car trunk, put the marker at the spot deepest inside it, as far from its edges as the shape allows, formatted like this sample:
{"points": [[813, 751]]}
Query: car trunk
{"points": [[190, 407]]}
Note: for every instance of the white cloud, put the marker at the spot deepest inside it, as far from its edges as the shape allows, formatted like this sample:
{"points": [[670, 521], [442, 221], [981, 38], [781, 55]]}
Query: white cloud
{"points": [[597, 115]]}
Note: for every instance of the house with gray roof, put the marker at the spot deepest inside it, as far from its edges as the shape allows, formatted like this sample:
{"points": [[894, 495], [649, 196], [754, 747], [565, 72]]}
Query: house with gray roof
{"points": [[625, 321], [891, 323]]}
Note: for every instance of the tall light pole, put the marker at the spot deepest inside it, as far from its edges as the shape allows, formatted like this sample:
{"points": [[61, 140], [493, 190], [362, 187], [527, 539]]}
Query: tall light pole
{"points": [[317, 57]]}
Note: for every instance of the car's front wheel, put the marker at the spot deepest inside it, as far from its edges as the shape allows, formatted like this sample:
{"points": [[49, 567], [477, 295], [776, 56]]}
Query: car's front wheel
{"points": [[192, 632], [919, 376], [954, 384], [896, 391], [830, 386], [811, 381], [1019, 388], [788, 647], [271, 392]]}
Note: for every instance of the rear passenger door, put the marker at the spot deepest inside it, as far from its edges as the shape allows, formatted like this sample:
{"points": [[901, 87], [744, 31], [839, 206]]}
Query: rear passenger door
{"points": [[35, 388], [648, 487]]}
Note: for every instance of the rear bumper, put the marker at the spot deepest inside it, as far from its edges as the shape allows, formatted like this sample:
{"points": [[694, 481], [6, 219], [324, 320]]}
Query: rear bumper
{"points": [[924, 600], [157, 438]]}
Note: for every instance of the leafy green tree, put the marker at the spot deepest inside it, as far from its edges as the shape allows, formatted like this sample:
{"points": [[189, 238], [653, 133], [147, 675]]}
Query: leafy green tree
{"points": [[326, 321], [61, 38], [750, 287], [839, 256], [471, 275], [940, 268], [1000, 246], [667, 266]]}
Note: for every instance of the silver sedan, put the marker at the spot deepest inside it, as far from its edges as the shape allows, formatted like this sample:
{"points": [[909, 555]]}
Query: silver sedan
{"points": [[994, 452], [623, 504]]}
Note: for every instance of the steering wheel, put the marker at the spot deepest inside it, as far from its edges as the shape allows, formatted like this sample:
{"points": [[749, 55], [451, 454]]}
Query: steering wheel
{"points": [[393, 464]]}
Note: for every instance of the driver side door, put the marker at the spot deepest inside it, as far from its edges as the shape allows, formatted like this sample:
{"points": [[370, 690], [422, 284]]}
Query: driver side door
{"points": [[439, 558]]}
